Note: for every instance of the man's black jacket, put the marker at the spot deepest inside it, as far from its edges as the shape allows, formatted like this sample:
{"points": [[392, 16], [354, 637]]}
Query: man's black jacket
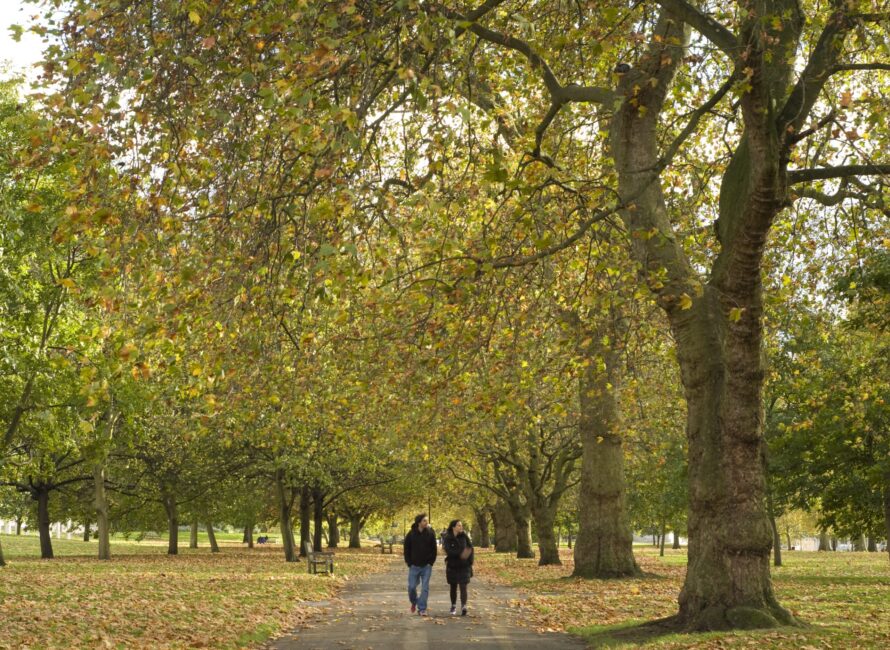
{"points": [[420, 547]]}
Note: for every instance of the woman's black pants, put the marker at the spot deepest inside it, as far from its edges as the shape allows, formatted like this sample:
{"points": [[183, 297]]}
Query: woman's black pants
{"points": [[463, 594]]}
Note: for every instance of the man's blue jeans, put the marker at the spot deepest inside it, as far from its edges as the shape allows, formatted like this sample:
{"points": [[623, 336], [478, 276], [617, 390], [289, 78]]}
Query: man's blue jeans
{"points": [[422, 575]]}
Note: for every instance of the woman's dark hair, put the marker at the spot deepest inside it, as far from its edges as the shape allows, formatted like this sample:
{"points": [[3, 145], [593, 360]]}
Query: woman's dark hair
{"points": [[454, 522]]}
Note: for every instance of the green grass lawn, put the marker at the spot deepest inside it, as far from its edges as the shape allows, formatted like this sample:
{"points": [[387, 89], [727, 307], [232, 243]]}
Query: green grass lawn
{"points": [[145, 598], [842, 598]]}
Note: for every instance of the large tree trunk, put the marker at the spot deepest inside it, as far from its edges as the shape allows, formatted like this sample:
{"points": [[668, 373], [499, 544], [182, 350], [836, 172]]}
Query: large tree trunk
{"points": [[717, 326], [872, 545], [211, 536], [504, 528], [676, 540], [46, 545], [86, 530], [604, 546], [333, 532], [544, 518], [193, 534], [824, 542], [172, 510], [318, 519], [859, 543], [523, 536], [482, 520], [100, 503], [248, 535], [18, 525], [285, 504], [305, 519], [355, 528]]}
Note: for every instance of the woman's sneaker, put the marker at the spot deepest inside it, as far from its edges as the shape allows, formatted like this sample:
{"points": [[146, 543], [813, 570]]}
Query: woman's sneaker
{"points": [[453, 610]]}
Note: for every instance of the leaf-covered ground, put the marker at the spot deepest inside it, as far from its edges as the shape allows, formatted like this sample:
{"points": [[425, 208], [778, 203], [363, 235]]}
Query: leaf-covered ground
{"points": [[843, 598], [144, 598]]}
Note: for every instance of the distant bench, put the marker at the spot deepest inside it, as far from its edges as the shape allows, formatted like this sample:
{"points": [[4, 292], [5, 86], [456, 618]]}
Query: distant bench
{"points": [[386, 545], [316, 559]]}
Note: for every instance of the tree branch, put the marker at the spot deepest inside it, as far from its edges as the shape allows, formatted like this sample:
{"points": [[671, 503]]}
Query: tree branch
{"points": [[842, 171], [712, 30]]}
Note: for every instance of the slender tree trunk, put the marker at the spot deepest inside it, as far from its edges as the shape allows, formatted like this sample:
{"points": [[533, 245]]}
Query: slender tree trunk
{"points": [[833, 543], [285, 503], [544, 518], [172, 511], [18, 525], [193, 534], [333, 532], [100, 503], [2, 559], [43, 524], [318, 519], [86, 531], [676, 540], [662, 538], [887, 515], [655, 539], [248, 535], [305, 519], [214, 547], [504, 528], [872, 545], [355, 529], [777, 542], [604, 547], [788, 537]]}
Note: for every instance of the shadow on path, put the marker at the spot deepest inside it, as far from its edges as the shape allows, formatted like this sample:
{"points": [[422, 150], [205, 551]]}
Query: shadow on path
{"points": [[373, 613]]}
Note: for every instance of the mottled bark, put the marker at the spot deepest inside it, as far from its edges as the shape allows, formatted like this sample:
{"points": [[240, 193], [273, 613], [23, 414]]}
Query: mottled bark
{"points": [[604, 547]]}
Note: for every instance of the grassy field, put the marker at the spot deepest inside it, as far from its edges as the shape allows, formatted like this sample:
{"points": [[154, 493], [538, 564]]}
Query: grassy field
{"points": [[143, 598], [843, 599]]}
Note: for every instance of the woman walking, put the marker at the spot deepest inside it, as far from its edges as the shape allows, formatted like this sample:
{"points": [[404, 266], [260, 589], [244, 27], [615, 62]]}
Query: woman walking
{"points": [[458, 564]]}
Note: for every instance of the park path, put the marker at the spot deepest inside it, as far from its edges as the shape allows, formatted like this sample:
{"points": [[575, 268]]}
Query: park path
{"points": [[373, 613]]}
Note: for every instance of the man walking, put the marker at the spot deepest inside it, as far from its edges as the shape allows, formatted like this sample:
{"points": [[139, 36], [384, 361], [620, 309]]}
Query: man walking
{"points": [[420, 555]]}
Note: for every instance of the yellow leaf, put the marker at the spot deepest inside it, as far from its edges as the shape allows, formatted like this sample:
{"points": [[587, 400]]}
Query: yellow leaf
{"points": [[685, 301], [195, 17], [735, 314]]}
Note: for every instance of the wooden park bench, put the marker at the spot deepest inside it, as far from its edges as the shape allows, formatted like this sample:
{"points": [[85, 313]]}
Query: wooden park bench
{"points": [[385, 546], [314, 559]]}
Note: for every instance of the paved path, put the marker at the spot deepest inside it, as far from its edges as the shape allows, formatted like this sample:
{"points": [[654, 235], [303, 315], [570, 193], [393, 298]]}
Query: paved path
{"points": [[373, 613]]}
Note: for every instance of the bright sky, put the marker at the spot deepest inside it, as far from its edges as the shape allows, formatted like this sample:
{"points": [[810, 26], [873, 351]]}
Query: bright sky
{"points": [[17, 58]]}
